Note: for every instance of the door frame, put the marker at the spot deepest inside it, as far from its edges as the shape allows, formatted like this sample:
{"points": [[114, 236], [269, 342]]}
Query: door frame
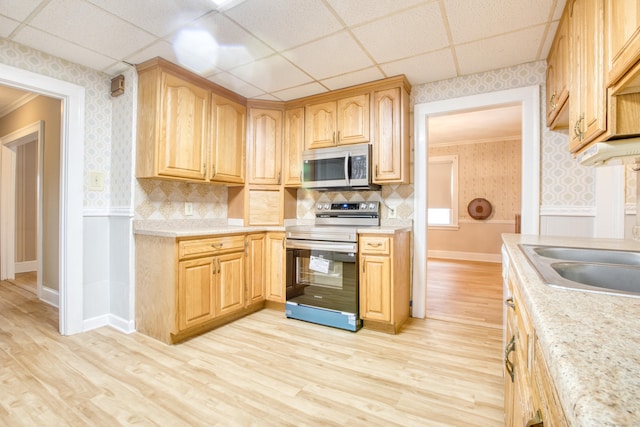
{"points": [[8, 180], [72, 96], [529, 98]]}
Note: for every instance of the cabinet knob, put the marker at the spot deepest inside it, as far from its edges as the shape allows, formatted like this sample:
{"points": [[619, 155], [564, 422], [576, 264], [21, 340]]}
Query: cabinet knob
{"points": [[552, 102], [509, 303], [536, 421], [217, 245]]}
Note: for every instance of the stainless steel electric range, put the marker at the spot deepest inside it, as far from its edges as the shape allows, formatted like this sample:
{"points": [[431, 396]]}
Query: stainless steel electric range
{"points": [[322, 264]]}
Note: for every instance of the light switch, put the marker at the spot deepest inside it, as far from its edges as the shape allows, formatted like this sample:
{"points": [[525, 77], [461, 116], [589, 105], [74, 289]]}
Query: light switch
{"points": [[188, 208], [96, 181]]}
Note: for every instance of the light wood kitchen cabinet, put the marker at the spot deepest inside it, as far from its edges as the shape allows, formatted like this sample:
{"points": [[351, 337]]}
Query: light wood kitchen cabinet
{"points": [[622, 29], [265, 146], [384, 280], [557, 82], [588, 105], [228, 150], [187, 286], [188, 127], [173, 125], [344, 121], [530, 397], [276, 267], [391, 138], [293, 146], [256, 267]]}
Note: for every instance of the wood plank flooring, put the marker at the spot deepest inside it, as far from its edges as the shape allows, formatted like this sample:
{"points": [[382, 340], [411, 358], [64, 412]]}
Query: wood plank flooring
{"points": [[262, 370], [465, 292]]}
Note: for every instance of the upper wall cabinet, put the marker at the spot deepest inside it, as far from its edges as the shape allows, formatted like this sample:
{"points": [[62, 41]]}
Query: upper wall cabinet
{"points": [[557, 107], [187, 126], [344, 121], [623, 37], [228, 144], [173, 126], [391, 136], [265, 145], [293, 146]]}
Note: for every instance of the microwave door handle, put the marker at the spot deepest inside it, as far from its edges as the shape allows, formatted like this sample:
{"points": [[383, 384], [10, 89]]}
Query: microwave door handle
{"points": [[346, 168]]}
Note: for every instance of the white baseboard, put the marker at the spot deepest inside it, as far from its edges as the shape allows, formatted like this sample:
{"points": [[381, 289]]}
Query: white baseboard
{"points": [[26, 266], [115, 322], [466, 256], [50, 296]]}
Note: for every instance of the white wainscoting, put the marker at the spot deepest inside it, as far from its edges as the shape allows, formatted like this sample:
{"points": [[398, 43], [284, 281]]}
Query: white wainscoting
{"points": [[108, 290], [569, 221]]}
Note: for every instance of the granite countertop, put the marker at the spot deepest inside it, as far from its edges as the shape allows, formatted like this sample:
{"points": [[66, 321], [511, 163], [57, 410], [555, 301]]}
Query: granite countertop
{"points": [[209, 227], [590, 341]]}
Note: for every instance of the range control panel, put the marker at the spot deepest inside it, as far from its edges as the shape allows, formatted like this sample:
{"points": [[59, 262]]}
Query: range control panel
{"points": [[348, 208]]}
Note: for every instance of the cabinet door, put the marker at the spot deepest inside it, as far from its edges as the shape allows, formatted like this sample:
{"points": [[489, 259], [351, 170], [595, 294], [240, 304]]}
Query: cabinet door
{"points": [[184, 130], [276, 265], [293, 146], [256, 267], [375, 288], [230, 286], [388, 143], [353, 119], [587, 117], [228, 153], [196, 291], [265, 146], [320, 125], [623, 37], [558, 77]]}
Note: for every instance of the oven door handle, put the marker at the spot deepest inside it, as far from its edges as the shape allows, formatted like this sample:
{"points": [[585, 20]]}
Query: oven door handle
{"points": [[322, 246]]}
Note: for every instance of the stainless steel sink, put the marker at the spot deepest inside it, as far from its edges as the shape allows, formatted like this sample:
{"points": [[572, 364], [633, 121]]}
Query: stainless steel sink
{"points": [[592, 270]]}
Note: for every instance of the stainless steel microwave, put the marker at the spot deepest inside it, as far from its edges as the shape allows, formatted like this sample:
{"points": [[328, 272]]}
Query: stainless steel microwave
{"points": [[346, 167]]}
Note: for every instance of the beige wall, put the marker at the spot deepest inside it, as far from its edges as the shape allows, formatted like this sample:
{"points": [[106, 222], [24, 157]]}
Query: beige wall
{"points": [[490, 170], [47, 110], [26, 202]]}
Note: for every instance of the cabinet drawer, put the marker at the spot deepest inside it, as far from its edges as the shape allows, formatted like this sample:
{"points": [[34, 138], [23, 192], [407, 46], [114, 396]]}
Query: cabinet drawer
{"points": [[374, 245], [188, 248]]}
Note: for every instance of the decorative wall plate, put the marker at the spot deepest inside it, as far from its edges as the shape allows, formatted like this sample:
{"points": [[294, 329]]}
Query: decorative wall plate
{"points": [[479, 208]]}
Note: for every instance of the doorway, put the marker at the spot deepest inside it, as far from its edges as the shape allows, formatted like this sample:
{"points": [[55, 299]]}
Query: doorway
{"points": [[21, 231], [72, 97], [529, 99]]}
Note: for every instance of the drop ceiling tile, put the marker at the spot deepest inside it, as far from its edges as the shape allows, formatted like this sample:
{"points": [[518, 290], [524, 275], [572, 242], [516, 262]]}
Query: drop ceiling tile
{"points": [[329, 56], [429, 67], [116, 68], [235, 84], [7, 26], [283, 24], [55, 46], [161, 48], [403, 35], [271, 74], [499, 52], [471, 20], [300, 91], [351, 79], [157, 17], [235, 46], [354, 12], [115, 38], [18, 10]]}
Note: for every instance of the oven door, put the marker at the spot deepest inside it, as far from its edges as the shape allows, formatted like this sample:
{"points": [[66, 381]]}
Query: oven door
{"points": [[323, 274]]}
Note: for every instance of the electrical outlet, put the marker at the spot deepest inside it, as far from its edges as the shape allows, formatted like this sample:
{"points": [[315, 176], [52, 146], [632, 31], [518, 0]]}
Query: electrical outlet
{"points": [[188, 208], [392, 213]]}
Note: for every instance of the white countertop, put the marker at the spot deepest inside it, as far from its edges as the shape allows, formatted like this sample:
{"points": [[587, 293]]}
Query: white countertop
{"points": [[591, 341]]}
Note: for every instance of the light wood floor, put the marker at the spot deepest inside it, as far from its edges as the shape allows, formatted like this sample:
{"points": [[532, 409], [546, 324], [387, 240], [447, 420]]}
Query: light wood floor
{"points": [[465, 292], [262, 370], [27, 281]]}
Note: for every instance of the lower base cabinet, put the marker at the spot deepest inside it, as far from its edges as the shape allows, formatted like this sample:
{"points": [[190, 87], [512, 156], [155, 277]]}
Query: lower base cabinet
{"points": [[530, 397], [187, 286], [384, 263]]}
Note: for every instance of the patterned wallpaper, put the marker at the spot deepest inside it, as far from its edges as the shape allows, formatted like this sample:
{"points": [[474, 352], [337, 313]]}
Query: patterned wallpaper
{"points": [[564, 183], [97, 154], [631, 184], [490, 170]]}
